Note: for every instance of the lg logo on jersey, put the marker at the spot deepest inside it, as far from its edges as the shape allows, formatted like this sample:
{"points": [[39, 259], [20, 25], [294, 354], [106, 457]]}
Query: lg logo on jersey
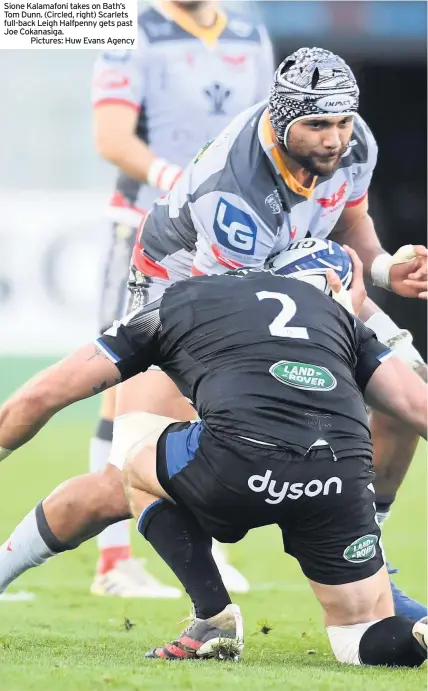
{"points": [[234, 228], [263, 483]]}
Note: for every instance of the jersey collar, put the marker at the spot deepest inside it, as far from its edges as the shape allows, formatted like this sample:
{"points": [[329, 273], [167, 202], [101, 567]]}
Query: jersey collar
{"points": [[209, 36], [266, 137]]}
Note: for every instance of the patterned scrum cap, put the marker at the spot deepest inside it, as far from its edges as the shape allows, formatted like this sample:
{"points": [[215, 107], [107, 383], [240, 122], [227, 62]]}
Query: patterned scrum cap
{"points": [[310, 82]]}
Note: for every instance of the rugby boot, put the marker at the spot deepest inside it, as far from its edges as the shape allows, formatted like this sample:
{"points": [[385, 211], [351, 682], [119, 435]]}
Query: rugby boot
{"points": [[420, 632], [220, 637], [130, 578]]}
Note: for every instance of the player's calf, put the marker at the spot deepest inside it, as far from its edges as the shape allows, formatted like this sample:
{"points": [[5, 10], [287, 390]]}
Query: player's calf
{"points": [[173, 530], [74, 512], [83, 506]]}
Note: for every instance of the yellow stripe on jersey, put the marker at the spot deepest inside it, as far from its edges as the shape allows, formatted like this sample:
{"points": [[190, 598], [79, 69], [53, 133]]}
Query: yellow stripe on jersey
{"points": [[290, 181], [208, 35]]}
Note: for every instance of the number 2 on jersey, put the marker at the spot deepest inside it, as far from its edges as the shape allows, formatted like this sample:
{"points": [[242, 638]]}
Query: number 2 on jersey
{"points": [[278, 327]]}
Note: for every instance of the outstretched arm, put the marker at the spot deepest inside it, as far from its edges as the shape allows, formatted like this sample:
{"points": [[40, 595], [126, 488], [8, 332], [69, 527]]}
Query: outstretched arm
{"points": [[395, 389], [125, 349], [388, 384], [86, 372]]}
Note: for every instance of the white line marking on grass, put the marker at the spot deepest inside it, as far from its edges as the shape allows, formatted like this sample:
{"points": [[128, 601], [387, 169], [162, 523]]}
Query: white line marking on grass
{"points": [[22, 596]]}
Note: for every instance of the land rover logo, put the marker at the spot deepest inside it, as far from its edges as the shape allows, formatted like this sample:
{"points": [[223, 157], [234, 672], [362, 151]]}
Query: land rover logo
{"points": [[362, 549], [336, 104], [301, 375]]}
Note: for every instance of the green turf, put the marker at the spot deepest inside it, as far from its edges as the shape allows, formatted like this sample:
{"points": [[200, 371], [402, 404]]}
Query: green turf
{"points": [[66, 640]]}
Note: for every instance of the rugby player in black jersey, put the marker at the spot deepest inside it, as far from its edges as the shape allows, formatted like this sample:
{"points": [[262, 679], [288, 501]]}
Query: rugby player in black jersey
{"points": [[253, 366]]}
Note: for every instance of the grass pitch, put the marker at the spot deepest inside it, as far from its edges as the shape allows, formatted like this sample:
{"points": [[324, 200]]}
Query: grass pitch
{"points": [[68, 640]]}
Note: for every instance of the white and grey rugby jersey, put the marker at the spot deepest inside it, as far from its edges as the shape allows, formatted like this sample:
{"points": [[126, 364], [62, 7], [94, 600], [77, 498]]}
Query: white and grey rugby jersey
{"points": [[186, 82], [237, 204]]}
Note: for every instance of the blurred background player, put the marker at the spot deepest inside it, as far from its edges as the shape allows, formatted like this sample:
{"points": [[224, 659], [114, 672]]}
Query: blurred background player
{"points": [[195, 68]]}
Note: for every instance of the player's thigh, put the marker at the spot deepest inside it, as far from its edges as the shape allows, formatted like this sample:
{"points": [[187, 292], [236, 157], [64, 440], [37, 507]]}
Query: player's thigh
{"points": [[331, 527], [140, 470], [358, 602], [153, 462], [132, 429], [155, 393], [108, 404], [208, 476]]}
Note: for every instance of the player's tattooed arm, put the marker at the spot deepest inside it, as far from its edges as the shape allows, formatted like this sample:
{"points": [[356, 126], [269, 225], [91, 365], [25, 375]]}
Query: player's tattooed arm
{"points": [[83, 374], [105, 384], [97, 353]]}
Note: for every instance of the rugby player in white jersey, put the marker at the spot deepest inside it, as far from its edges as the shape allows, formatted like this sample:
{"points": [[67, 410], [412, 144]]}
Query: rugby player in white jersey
{"points": [[300, 167], [195, 68], [237, 203]]}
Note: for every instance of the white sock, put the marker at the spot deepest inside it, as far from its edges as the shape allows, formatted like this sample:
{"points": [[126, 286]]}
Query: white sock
{"points": [[219, 553], [118, 534], [24, 549], [99, 452]]}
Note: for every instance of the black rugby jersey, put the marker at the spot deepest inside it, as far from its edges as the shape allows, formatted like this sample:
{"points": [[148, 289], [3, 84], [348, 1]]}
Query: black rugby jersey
{"points": [[261, 356]]}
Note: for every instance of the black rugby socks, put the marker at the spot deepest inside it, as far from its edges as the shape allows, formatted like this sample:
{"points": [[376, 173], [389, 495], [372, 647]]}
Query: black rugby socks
{"points": [[391, 642], [178, 538]]}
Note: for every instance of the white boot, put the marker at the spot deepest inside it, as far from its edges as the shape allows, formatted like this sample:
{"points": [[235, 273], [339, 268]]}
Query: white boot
{"points": [[233, 580], [129, 578]]}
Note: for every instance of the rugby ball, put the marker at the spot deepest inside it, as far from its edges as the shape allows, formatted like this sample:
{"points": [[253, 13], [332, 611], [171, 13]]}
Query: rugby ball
{"points": [[309, 259]]}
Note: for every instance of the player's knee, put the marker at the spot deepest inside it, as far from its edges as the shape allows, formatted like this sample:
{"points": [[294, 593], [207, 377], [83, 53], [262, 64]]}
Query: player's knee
{"points": [[127, 431], [134, 429], [131, 473], [107, 498], [138, 467], [387, 642], [108, 404], [95, 495]]}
